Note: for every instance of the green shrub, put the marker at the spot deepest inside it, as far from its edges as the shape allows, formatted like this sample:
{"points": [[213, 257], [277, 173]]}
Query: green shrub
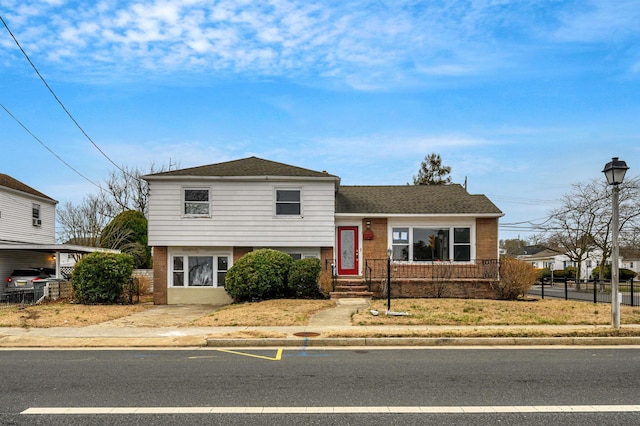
{"points": [[543, 273], [516, 278], [569, 272], [303, 278], [623, 273], [100, 277], [127, 232], [259, 275]]}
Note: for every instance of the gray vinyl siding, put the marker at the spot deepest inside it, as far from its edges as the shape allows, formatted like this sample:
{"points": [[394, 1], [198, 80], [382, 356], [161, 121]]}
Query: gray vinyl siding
{"points": [[241, 214]]}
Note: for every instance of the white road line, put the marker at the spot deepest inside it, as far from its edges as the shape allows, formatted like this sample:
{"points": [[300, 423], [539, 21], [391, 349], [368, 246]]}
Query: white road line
{"points": [[336, 410]]}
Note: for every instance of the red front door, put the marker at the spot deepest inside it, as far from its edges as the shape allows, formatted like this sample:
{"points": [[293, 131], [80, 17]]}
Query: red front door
{"points": [[348, 250]]}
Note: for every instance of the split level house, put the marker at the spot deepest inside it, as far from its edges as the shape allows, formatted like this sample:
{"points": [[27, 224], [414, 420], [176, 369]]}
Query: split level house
{"points": [[203, 219]]}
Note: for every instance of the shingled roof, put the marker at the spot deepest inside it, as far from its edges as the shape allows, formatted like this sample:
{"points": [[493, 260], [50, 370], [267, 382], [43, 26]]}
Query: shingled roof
{"points": [[11, 183], [245, 167], [412, 199]]}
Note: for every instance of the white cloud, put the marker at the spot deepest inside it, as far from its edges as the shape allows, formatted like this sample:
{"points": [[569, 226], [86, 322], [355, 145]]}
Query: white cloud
{"points": [[366, 44]]}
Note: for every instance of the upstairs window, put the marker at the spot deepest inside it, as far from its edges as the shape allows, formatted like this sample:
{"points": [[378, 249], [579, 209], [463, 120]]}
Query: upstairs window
{"points": [[35, 215], [288, 202], [196, 202]]}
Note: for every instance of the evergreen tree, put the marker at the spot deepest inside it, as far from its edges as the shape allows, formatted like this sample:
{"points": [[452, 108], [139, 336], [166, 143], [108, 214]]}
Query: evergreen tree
{"points": [[432, 172]]}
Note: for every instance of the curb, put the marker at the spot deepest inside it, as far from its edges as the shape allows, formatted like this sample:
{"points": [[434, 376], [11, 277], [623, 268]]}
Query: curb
{"points": [[427, 341]]}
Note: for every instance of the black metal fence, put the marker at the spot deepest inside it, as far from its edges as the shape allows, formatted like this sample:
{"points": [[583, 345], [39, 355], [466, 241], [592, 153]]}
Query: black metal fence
{"points": [[590, 291]]}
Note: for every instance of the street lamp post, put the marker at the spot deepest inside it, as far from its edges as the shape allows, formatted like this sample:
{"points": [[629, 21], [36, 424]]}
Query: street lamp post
{"points": [[389, 254], [615, 171]]}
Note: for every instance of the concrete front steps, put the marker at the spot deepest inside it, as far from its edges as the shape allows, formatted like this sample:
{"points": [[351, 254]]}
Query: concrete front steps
{"points": [[350, 289]]}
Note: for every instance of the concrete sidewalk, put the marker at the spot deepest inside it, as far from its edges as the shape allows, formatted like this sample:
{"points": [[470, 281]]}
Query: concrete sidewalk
{"points": [[165, 326]]}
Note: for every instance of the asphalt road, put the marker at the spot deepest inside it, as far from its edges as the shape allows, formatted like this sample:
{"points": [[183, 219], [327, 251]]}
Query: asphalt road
{"points": [[346, 381]]}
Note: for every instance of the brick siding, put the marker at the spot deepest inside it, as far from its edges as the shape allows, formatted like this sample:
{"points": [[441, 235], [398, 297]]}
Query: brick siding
{"points": [[160, 275]]}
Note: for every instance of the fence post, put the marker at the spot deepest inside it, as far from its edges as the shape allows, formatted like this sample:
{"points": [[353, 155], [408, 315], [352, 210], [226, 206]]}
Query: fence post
{"points": [[542, 287], [595, 292], [566, 289], [631, 283]]}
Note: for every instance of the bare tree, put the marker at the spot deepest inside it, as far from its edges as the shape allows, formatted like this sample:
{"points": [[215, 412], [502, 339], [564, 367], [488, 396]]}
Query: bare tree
{"points": [[573, 225], [583, 222], [629, 214], [83, 224], [125, 189]]}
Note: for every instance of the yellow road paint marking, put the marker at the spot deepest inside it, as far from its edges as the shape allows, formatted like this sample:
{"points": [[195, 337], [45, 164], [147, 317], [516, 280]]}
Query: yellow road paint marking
{"points": [[278, 356]]}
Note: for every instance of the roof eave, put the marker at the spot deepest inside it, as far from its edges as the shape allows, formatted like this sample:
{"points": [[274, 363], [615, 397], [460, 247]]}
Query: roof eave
{"points": [[420, 215], [30, 195], [243, 178]]}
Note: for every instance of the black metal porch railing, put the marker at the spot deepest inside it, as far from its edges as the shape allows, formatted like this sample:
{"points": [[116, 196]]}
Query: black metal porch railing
{"points": [[441, 270]]}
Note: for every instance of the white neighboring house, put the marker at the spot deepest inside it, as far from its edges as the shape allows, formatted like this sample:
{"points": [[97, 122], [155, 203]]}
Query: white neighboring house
{"points": [[27, 230], [559, 261], [548, 258], [630, 260]]}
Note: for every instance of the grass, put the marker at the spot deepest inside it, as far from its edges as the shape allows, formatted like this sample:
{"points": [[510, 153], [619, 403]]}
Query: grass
{"points": [[62, 314], [467, 312], [279, 312], [474, 314]]}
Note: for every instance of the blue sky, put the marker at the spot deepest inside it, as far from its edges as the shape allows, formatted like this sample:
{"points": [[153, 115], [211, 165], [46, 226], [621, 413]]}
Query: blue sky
{"points": [[521, 98]]}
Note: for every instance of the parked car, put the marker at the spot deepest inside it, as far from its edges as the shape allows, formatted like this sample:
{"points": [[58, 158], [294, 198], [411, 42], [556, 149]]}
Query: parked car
{"points": [[23, 278]]}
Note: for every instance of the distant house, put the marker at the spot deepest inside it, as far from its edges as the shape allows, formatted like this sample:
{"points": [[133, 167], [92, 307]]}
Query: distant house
{"points": [[630, 260], [203, 219], [548, 258], [558, 260], [27, 230]]}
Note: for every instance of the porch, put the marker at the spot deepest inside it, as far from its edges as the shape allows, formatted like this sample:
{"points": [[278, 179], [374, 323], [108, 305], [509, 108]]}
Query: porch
{"points": [[425, 279]]}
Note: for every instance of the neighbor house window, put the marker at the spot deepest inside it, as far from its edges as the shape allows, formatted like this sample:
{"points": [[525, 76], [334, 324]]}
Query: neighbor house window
{"points": [[288, 202], [35, 215], [196, 202], [199, 271], [424, 244]]}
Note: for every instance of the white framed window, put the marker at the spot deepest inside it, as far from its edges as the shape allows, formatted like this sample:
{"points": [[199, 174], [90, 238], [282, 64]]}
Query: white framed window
{"points": [[288, 202], [428, 244], [462, 244], [196, 202], [36, 220], [198, 270]]}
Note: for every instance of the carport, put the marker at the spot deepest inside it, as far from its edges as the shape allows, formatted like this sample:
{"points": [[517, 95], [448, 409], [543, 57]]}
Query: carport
{"points": [[13, 256]]}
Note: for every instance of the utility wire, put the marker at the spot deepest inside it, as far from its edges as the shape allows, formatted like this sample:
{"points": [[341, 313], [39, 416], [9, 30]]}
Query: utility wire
{"points": [[47, 148], [58, 100]]}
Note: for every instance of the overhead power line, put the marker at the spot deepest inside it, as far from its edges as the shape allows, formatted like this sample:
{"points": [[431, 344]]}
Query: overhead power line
{"points": [[46, 147], [58, 99]]}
